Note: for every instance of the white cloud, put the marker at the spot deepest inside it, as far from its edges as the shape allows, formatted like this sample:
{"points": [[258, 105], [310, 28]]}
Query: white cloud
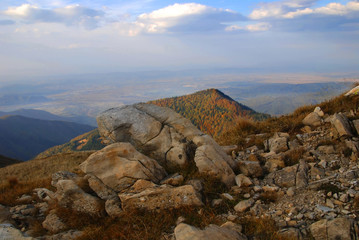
{"points": [[186, 17], [289, 10], [69, 15], [278, 8], [257, 27]]}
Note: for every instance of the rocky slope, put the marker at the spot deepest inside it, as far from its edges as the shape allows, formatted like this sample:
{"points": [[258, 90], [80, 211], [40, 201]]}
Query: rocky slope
{"points": [[299, 186]]}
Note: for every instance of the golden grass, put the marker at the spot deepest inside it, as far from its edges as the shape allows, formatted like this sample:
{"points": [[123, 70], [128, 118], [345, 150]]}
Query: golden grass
{"points": [[44, 167], [291, 123], [261, 228], [9, 191], [22, 178]]}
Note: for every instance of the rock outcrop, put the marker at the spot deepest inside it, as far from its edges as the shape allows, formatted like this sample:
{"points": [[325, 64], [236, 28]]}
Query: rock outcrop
{"points": [[164, 135]]}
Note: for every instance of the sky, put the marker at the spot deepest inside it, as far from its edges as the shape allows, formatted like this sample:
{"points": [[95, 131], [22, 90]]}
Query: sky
{"points": [[54, 37]]}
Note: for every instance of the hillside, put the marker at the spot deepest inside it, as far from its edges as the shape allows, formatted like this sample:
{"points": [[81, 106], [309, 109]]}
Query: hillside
{"points": [[87, 141], [296, 184], [23, 138], [5, 161], [210, 110]]}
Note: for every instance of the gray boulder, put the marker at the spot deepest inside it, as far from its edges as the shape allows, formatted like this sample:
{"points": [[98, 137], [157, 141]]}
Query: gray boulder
{"points": [[278, 143], [336, 229], [342, 125], [9, 232], [212, 232], [312, 119], [53, 223], [120, 165], [68, 194]]}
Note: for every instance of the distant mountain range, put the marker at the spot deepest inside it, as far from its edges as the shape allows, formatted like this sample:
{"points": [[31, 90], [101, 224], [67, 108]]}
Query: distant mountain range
{"points": [[23, 138], [282, 98], [44, 115], [210, 110]]}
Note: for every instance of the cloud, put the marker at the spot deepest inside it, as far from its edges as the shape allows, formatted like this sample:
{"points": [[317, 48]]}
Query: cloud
{"points": [[294, 9], [279, 8], [6, 22], [334, 9], [69, 15], [302, 16], [257, 27], [186, 17]]}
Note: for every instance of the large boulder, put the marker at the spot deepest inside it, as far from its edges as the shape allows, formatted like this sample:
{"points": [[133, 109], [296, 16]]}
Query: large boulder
{"points": [[212, 232], [69, 195], [9, 232], [162, 197], [312, 119], [120, 165], [53, 223], [167, 137], [285, 177], [342, 125], [336, 229], [278, 143]]}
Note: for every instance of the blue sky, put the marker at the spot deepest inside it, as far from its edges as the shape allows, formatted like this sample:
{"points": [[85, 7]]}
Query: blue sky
{"points": [[39, 37]]}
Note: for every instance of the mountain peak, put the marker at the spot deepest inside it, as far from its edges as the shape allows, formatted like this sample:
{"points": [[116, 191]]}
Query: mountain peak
{"points": [[210, 110]]}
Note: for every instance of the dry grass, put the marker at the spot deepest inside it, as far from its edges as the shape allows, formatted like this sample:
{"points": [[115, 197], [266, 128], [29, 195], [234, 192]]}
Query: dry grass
{"points": [[268, 197], [134, 224], [43, 168], [291, 123], [260, 228], [22, 178], [237, 135], [293, 156], [10, 191]]}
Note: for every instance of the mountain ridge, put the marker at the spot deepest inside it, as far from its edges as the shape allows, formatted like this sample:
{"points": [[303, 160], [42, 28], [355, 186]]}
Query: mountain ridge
{"points": [[210, 110]]}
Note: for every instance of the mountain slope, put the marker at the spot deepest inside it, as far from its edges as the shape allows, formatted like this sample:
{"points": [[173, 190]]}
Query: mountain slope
{"points": [[210, 110], [23, 138], [87, 141]]}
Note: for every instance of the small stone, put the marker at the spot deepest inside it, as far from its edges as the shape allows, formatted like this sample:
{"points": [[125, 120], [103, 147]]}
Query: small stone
{"points": [[244, 205], [270, 189], [180, 219], [247, 195], [232, 217], [290, 192], [227, 196], [231, 225], [217, 202], [292, 223], [344, 198], [300, 216], [257, 188], [329, 203], [243, 181]]}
